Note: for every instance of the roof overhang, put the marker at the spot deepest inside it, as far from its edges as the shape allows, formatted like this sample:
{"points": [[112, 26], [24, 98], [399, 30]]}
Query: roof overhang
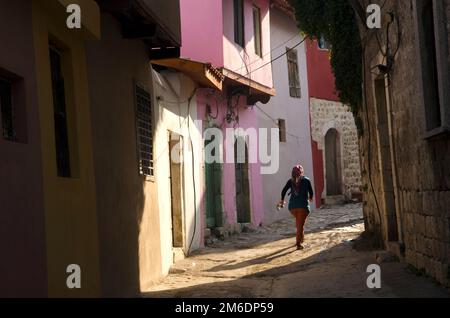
{"points": [[255, 91], [146, 20], [284, 6], [202, 73]]}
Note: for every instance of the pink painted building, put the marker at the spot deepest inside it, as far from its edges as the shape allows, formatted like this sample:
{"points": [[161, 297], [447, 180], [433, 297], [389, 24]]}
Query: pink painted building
{"points": [[223, 33], [226, 51]]}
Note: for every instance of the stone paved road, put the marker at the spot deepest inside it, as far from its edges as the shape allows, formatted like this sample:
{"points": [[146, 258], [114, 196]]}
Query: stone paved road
{"points": [[266, 264]]}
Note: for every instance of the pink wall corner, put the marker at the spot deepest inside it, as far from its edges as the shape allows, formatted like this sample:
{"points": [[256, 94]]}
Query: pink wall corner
{"points": [[245, 60], [247, 119], [202, 30]]}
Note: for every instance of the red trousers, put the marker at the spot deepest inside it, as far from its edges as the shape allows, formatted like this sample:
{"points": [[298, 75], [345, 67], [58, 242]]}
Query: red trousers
{"points": [[300, 217]]}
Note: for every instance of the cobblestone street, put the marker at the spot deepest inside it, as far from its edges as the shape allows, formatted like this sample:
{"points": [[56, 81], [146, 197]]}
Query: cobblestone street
{"points": [[265, 263]]}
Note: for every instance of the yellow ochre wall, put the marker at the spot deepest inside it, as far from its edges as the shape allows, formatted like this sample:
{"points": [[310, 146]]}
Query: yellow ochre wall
{"points": [[129, 226], [70, 204]]}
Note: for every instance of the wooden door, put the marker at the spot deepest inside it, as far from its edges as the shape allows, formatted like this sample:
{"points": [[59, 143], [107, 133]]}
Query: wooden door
{"points": [[242, 184]]}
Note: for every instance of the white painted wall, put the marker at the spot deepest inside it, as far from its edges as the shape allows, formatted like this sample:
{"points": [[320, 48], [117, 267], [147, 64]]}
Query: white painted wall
{"points": [[297, 149], [172, 91]]}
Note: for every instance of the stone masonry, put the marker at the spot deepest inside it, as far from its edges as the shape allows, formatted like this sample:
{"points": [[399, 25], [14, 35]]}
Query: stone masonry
{"points": [[420, 167], [326, 115]]}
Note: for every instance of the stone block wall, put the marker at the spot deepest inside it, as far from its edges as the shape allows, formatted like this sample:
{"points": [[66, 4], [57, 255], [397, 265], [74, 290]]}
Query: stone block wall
{"points": [[326, 115], [421, 169]]}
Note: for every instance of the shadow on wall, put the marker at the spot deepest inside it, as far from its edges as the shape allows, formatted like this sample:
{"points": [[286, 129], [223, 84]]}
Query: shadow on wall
{"points": [[23, 264], [128, 214], [119, 231], [120, 203]]}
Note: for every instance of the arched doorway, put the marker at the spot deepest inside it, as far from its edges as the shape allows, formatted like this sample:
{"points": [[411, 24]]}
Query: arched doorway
{"points": [[333, 163]]}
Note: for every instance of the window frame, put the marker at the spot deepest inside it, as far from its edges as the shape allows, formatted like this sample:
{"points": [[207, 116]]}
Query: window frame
{"points": [[239, 24], [12, 137], [152, 176], [283, 130], [293, 73], [442, 66], [327, 44], [68, 171], [257, 30], [18, 108]]}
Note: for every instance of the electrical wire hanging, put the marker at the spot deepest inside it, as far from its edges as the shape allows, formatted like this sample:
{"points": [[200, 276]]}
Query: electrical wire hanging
{"points": [[270, 52], [273, 60], [277, 123]]}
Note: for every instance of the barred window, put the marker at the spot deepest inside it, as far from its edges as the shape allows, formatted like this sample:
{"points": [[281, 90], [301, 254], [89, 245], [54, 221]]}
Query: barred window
{"points": [[144, 126], [294, 77]]}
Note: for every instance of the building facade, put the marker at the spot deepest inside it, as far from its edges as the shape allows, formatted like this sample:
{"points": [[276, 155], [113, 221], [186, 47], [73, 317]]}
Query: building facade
{"points": [[288, 111], [225, 60], [405, 145], [78, 120], [130, 135], [46, 120], [20, 196]]}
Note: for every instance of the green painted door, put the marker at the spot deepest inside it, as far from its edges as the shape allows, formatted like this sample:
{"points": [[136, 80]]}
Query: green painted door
{"points": [[213, 179]]}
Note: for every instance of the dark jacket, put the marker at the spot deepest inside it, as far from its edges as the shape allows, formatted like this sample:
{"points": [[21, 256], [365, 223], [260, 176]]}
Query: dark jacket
{"points": [[299, 200]]}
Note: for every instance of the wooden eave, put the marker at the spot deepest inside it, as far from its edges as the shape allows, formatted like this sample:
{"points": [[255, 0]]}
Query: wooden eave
{"points": [[239, 80], [202, 73]]}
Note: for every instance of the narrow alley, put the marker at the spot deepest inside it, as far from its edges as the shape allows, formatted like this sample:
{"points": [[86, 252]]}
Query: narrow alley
{"points": [[265, 264], [174, 149]]}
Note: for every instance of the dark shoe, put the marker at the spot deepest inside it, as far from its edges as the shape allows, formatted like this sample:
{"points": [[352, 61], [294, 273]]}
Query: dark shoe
{"points": [[300, 247]]}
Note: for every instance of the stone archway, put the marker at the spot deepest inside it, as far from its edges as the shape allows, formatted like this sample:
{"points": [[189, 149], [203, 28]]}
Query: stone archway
{"points": [[333, 175]]}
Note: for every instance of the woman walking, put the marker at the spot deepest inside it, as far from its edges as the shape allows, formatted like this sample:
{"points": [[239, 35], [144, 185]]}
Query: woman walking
{"points": [[301, 192]]}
